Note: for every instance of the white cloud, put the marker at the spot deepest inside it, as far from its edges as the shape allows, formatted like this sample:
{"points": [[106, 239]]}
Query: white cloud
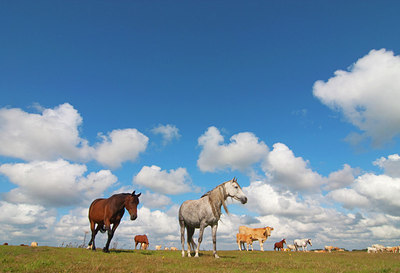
{"points": [[54, 134], [367, 95], [286, 170], [120, 146], [265, 200], [168, 132], [155, 200], [21, 214], [162, 181], [349, 198], [243, 151], [391, 165], [56, 183], [382, 190], [47, 136], [341, 178]]}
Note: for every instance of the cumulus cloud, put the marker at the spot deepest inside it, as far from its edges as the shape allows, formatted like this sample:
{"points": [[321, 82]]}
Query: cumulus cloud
{"points": [[21, 214], [52, 134], [390, 165], [349, 198], [54, 183], [155, 200], [163, 181], [120, 146], [168, 132], [243, 151], [381, 190], [341, 178], [266, 200], [367, 95], [286, 170]]}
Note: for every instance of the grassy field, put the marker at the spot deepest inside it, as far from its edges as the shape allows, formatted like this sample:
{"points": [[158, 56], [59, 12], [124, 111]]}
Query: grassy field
{"points": [[53, 259]]}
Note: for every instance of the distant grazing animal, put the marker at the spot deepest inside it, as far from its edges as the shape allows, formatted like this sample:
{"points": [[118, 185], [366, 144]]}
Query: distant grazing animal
{"points": [[302, 243], [144, 246], [328, 248], [260, 234], [291, 247], [279, 245], [158, 247], [241, 239], [5, 244], [34, 244], [206, 211], [372, 250], [166, 248], [379, 248], [141, 239], [105, 212], [173, 248]]}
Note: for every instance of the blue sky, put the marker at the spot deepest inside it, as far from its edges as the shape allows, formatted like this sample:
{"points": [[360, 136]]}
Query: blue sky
{"points": [[297, 99]]}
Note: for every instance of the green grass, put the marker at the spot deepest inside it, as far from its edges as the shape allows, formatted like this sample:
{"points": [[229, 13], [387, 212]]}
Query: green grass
{"points": [[52, 259]]}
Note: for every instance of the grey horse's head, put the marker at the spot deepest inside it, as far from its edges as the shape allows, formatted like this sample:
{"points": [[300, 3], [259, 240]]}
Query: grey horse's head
{"points": [[233, 190]]}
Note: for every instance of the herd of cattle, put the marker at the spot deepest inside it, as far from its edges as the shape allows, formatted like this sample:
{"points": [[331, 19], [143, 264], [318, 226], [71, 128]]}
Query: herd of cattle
{"points": [[247, 236]]}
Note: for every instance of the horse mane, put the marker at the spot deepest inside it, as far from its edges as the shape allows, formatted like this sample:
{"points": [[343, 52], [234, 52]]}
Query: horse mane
{"points": [[216, 195]]}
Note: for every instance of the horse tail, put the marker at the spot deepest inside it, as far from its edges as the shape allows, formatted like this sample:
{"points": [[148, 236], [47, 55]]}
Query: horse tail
{"points": [[103, 229]]}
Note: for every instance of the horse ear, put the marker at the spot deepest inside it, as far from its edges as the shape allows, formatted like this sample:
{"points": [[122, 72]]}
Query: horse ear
{"points": [[234, 179], [133, 193], [139, 194]]}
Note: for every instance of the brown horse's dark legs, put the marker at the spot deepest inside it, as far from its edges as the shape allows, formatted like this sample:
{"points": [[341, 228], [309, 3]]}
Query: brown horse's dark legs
{"points": [[110, 236], [94, 232]]}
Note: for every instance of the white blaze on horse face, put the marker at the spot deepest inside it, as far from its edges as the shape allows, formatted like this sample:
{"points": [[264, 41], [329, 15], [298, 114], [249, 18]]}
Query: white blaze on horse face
{"points": [[233, 190]]}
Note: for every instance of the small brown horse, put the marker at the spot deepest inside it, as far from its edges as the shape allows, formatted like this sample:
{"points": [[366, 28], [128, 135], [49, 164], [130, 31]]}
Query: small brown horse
{"points": [[279, 245], [105, 212], [142, 240]]}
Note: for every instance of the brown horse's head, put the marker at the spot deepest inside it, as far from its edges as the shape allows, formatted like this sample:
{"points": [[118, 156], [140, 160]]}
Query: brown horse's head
{"points": [[131, 203]]}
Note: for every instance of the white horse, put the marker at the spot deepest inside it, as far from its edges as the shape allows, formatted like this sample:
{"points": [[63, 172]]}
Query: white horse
{"points": [[206, 211], [302, 243]]}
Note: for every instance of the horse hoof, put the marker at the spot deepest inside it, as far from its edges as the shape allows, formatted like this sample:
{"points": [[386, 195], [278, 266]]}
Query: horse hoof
{"points": [[106, 250], [216, 256]]}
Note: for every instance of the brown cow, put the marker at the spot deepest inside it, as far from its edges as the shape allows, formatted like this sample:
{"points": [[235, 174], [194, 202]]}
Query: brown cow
{"points": [[141, 239], [260, 234], [244, 238]]}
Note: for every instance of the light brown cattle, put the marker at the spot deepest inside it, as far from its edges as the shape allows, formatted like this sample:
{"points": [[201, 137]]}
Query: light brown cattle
{"points": [[242, 239], [328, 248], [260, 234], [34, 244], [173, 248], [158, 247]]}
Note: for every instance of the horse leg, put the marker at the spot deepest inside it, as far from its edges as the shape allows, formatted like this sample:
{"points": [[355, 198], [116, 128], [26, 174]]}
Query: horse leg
{"points": [[182, 224], [94, 232], [201, 231], [190, 232], [110, 235], [214, 238]]}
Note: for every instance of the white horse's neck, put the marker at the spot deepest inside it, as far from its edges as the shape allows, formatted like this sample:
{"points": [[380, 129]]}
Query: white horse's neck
{"points": [[216, 198]]}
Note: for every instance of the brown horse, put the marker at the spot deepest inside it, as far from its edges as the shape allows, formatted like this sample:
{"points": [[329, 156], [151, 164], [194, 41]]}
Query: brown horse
{"points": [[279, 245], [142, 240], [105, 212]]}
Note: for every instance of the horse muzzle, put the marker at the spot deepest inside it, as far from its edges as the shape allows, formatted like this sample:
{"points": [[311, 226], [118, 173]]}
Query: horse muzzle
{"points": [[133, 217], [243, 200]]}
